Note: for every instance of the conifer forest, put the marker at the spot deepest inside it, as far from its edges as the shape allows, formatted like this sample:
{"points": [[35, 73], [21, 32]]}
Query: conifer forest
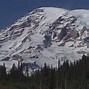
{"points": [[67, 76]]}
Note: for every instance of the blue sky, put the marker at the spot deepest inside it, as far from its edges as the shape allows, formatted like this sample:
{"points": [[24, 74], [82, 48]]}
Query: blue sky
{"points": [[11, 10]]}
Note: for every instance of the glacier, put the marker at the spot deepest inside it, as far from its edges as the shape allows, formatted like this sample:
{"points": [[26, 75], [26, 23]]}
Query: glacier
{"points": [[25, 40]]}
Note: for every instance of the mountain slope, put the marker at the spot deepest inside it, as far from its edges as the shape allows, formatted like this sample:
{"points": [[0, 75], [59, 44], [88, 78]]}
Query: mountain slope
{"points": [[45, 35]]}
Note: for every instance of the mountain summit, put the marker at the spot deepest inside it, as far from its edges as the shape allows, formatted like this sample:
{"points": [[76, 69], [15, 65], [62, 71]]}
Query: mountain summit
{"points": [[45, 35]]}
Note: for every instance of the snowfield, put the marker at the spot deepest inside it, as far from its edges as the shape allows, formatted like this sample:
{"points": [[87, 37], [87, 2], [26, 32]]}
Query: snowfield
{"points": [[45, 35]]}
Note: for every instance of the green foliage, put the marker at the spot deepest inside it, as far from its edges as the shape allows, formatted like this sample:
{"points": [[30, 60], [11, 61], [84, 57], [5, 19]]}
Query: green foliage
{"points": [[67, 76]]}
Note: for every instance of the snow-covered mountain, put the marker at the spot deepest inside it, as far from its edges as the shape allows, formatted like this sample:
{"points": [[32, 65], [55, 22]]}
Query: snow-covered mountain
{"points": [[46, 34]]}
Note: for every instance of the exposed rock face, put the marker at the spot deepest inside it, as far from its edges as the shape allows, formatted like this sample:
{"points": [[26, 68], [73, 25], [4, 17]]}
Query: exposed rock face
{"points": [[46, 35]]}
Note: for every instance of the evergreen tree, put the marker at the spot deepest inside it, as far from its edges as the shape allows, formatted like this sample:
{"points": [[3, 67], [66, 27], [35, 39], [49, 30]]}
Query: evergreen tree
{"points": [[14, 73], [27, 71], [2, 72]]}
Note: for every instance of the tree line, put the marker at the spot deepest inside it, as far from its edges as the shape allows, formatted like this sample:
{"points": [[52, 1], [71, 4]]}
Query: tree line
{"points": [[70, 75]]}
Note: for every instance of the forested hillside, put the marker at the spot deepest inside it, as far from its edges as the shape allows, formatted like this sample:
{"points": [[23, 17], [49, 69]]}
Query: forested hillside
{"points": [[67, 76]]}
